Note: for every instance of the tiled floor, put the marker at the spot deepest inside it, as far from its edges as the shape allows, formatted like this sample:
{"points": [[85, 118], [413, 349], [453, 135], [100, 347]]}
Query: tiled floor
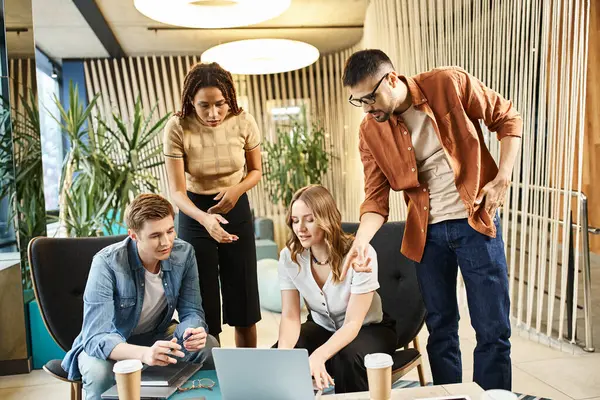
{"points": [[537, 370]]}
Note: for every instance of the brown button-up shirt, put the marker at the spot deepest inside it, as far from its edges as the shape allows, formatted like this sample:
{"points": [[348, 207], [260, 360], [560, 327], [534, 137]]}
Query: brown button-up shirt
{"points": [[455, 101]]}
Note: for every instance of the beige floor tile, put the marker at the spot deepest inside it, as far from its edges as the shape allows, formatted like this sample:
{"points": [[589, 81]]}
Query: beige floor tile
{"points": [[523, 350], [524, 383], [468, 375], [55, 391], [576, 376], [465, 330], [267, 330], [467, 346], [34, 378]]}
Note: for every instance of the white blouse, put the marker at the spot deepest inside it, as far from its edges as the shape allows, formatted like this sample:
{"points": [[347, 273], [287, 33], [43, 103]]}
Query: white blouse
{"points": [[328, 306]]}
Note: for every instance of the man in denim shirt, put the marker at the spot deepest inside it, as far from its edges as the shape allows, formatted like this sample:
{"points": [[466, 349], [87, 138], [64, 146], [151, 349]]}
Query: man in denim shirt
{"points": [[132, 291]]}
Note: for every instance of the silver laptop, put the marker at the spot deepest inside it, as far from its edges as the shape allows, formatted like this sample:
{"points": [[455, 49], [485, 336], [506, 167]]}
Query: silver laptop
{"points": [[266, 374]]}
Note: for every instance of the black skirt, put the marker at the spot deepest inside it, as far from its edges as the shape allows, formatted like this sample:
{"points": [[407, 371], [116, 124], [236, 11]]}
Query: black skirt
{"points": [[232, 265]]}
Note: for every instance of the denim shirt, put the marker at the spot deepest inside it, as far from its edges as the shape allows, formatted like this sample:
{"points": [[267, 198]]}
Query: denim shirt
{"points": [[114, 295]]}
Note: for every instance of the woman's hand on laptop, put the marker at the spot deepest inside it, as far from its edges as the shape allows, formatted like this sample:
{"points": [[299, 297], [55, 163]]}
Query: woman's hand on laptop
{"points": [[318, 371], [157, 354], [194, 339]]}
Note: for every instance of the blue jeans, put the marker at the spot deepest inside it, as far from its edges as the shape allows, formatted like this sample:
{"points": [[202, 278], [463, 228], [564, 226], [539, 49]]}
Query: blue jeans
{"points": [[483, 266], [97, 375]]}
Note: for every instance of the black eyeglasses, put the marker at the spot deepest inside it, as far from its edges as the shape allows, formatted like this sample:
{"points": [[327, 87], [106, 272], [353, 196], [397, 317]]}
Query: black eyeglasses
{"points": [[368, 99]]}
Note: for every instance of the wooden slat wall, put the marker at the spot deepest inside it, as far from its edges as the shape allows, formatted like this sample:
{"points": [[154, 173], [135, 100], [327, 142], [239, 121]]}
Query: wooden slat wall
{"points": [[534, 52]]}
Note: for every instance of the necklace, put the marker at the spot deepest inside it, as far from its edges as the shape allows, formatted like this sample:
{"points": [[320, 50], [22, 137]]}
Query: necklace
{"points": [[319, 262]]}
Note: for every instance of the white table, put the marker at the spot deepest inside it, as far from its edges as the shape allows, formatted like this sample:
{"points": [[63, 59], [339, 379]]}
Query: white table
{"points": [[472, 390]]}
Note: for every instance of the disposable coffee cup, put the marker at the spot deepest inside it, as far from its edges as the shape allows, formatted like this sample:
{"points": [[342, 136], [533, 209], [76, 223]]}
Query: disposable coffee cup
{"points": [[128, 374], [379, 375], [498, 394]]}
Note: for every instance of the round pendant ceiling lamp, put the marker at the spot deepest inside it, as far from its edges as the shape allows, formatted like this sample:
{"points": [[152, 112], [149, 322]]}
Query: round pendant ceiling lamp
{"points": [[211, 13], [262, 56]]}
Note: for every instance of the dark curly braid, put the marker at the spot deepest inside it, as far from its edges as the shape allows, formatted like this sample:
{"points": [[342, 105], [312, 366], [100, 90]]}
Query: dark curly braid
{"points": [[203, 76]]}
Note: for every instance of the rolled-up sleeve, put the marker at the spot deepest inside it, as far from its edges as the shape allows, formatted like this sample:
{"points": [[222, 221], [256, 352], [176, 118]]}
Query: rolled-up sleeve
{"points": [[100, 335], [377, 186], [481, 102]]}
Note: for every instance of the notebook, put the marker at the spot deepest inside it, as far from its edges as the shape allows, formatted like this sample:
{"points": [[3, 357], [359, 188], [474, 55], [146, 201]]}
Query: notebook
{"points": [[163, 376]]}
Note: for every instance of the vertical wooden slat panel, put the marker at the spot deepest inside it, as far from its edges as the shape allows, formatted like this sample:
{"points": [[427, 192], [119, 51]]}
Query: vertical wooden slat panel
{"points": [[128, 86], [89, 87], [113, 100], [156, 87], [175, 83], [297, 92], [313, 93], [105, 98], [319, 87], [168, 99], [327, 103], [263, 116], [123, 110]]}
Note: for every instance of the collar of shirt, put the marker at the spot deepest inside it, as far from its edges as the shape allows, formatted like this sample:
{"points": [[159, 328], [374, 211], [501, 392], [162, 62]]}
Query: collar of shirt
{"points": [[135, 262], [418, 98]]}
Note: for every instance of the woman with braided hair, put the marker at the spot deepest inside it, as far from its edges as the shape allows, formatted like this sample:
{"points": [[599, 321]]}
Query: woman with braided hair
{"points": [[212, 155]]}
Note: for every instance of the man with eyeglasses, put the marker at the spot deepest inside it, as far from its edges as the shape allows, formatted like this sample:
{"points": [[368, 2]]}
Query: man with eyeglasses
{"points": [[422, 135]]}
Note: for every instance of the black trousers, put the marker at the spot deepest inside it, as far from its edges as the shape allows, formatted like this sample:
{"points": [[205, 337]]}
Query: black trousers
{"points": [[233, 265], [347, 367]]}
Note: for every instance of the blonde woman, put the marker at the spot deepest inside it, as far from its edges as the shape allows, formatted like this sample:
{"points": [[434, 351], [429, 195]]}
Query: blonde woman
{"points": [[346, 320]]}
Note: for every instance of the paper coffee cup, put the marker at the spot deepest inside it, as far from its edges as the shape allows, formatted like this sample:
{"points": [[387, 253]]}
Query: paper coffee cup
{"points": [[498, 394], [379, 375], [128, 374]]}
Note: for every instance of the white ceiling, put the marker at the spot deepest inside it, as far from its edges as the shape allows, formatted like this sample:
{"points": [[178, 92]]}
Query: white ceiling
{"points": [[62, 32]]}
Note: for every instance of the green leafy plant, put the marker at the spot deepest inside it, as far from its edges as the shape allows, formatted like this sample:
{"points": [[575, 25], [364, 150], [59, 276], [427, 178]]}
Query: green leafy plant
{"points": [[105, 167], [7, 173], [76, 125], [23, 186], [298, 158], [141, 152]]}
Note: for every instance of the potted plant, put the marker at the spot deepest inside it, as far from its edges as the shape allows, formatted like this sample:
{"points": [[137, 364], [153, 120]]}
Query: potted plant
{"points": [[296, 159], [106, 167], [27, 197]]}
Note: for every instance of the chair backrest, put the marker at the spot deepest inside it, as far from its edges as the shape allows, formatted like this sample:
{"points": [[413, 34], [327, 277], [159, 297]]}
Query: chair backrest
{"points": [[399, 289], [59, 272]]}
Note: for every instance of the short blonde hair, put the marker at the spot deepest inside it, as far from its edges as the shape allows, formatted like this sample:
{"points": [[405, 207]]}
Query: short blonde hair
{"points": [[147, 207]]}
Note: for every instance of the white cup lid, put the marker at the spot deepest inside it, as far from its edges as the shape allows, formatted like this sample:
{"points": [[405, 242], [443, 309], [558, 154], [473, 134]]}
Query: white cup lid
{"points": [[498, 394], [127, 366], [378, 360]]}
